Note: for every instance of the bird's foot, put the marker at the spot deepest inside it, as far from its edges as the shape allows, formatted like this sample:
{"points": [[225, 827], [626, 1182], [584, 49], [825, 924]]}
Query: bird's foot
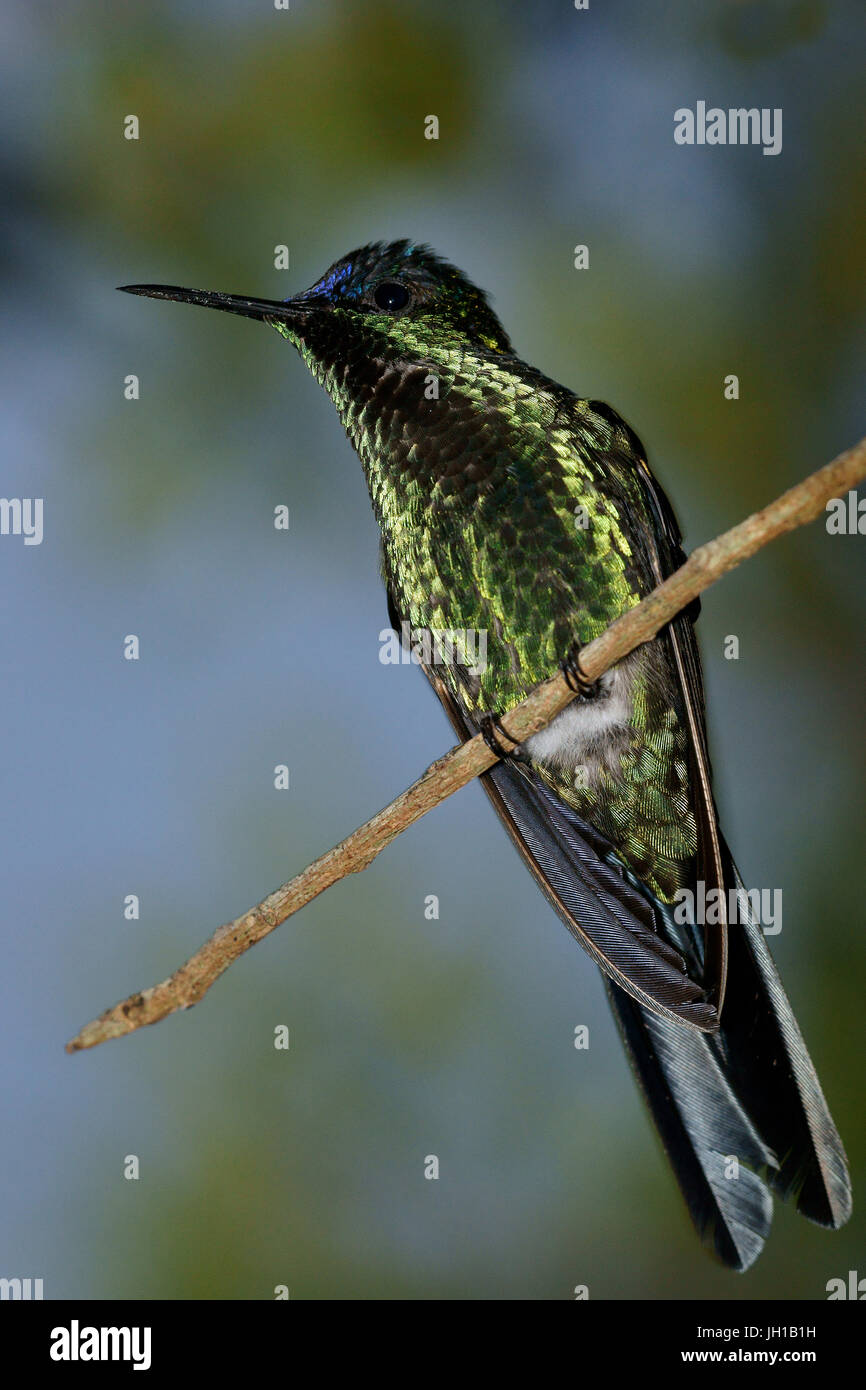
{"points": [[574, 677], [491, 727]]}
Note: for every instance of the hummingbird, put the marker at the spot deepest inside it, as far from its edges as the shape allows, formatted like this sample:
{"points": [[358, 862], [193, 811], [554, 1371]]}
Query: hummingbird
{"points": [[512, 507]]}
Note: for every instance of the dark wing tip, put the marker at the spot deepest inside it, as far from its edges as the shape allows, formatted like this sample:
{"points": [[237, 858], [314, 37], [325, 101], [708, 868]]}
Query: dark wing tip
{"points": [[699, 1015]]}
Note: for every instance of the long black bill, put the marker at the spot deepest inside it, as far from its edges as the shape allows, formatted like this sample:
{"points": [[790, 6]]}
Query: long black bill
{"points": [[269, 310]]}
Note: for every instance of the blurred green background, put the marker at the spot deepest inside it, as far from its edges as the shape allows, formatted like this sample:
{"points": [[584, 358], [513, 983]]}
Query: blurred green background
{"points": [[408, 1037]]}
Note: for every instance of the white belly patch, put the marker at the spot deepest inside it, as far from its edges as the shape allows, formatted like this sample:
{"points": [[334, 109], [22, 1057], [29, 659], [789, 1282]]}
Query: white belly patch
{"points": [[586, 729]]}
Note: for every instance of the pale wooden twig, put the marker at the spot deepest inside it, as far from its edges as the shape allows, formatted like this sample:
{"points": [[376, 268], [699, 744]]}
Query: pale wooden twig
{"points": [[706, 564]]}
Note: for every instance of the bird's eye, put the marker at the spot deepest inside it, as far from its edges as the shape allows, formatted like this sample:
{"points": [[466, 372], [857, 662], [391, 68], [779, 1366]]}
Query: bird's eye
{"points": [[391, 296]]}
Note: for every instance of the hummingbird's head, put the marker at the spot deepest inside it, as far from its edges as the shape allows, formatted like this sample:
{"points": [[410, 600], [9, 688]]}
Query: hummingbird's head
{"points": [[400, 295], [389, 301], [401, 341]]}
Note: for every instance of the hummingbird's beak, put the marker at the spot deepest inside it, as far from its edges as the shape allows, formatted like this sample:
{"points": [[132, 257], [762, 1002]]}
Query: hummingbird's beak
{"points": [[269, 310]]}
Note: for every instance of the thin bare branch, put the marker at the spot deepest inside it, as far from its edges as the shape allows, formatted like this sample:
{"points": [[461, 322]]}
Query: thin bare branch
{"points": [[708, 563]]}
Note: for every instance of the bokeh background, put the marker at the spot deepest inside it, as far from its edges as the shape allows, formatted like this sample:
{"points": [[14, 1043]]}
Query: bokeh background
{"points": [[409, 1037]]}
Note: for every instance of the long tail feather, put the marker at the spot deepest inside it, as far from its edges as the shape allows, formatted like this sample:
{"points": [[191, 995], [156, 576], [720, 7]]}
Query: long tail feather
{"points": [[749, 1092], [740, 1112], [766, 1058], [703, 1128]]}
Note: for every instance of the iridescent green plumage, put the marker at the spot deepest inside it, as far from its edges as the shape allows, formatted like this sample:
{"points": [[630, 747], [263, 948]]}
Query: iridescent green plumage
{"points": [[509, 506]]}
